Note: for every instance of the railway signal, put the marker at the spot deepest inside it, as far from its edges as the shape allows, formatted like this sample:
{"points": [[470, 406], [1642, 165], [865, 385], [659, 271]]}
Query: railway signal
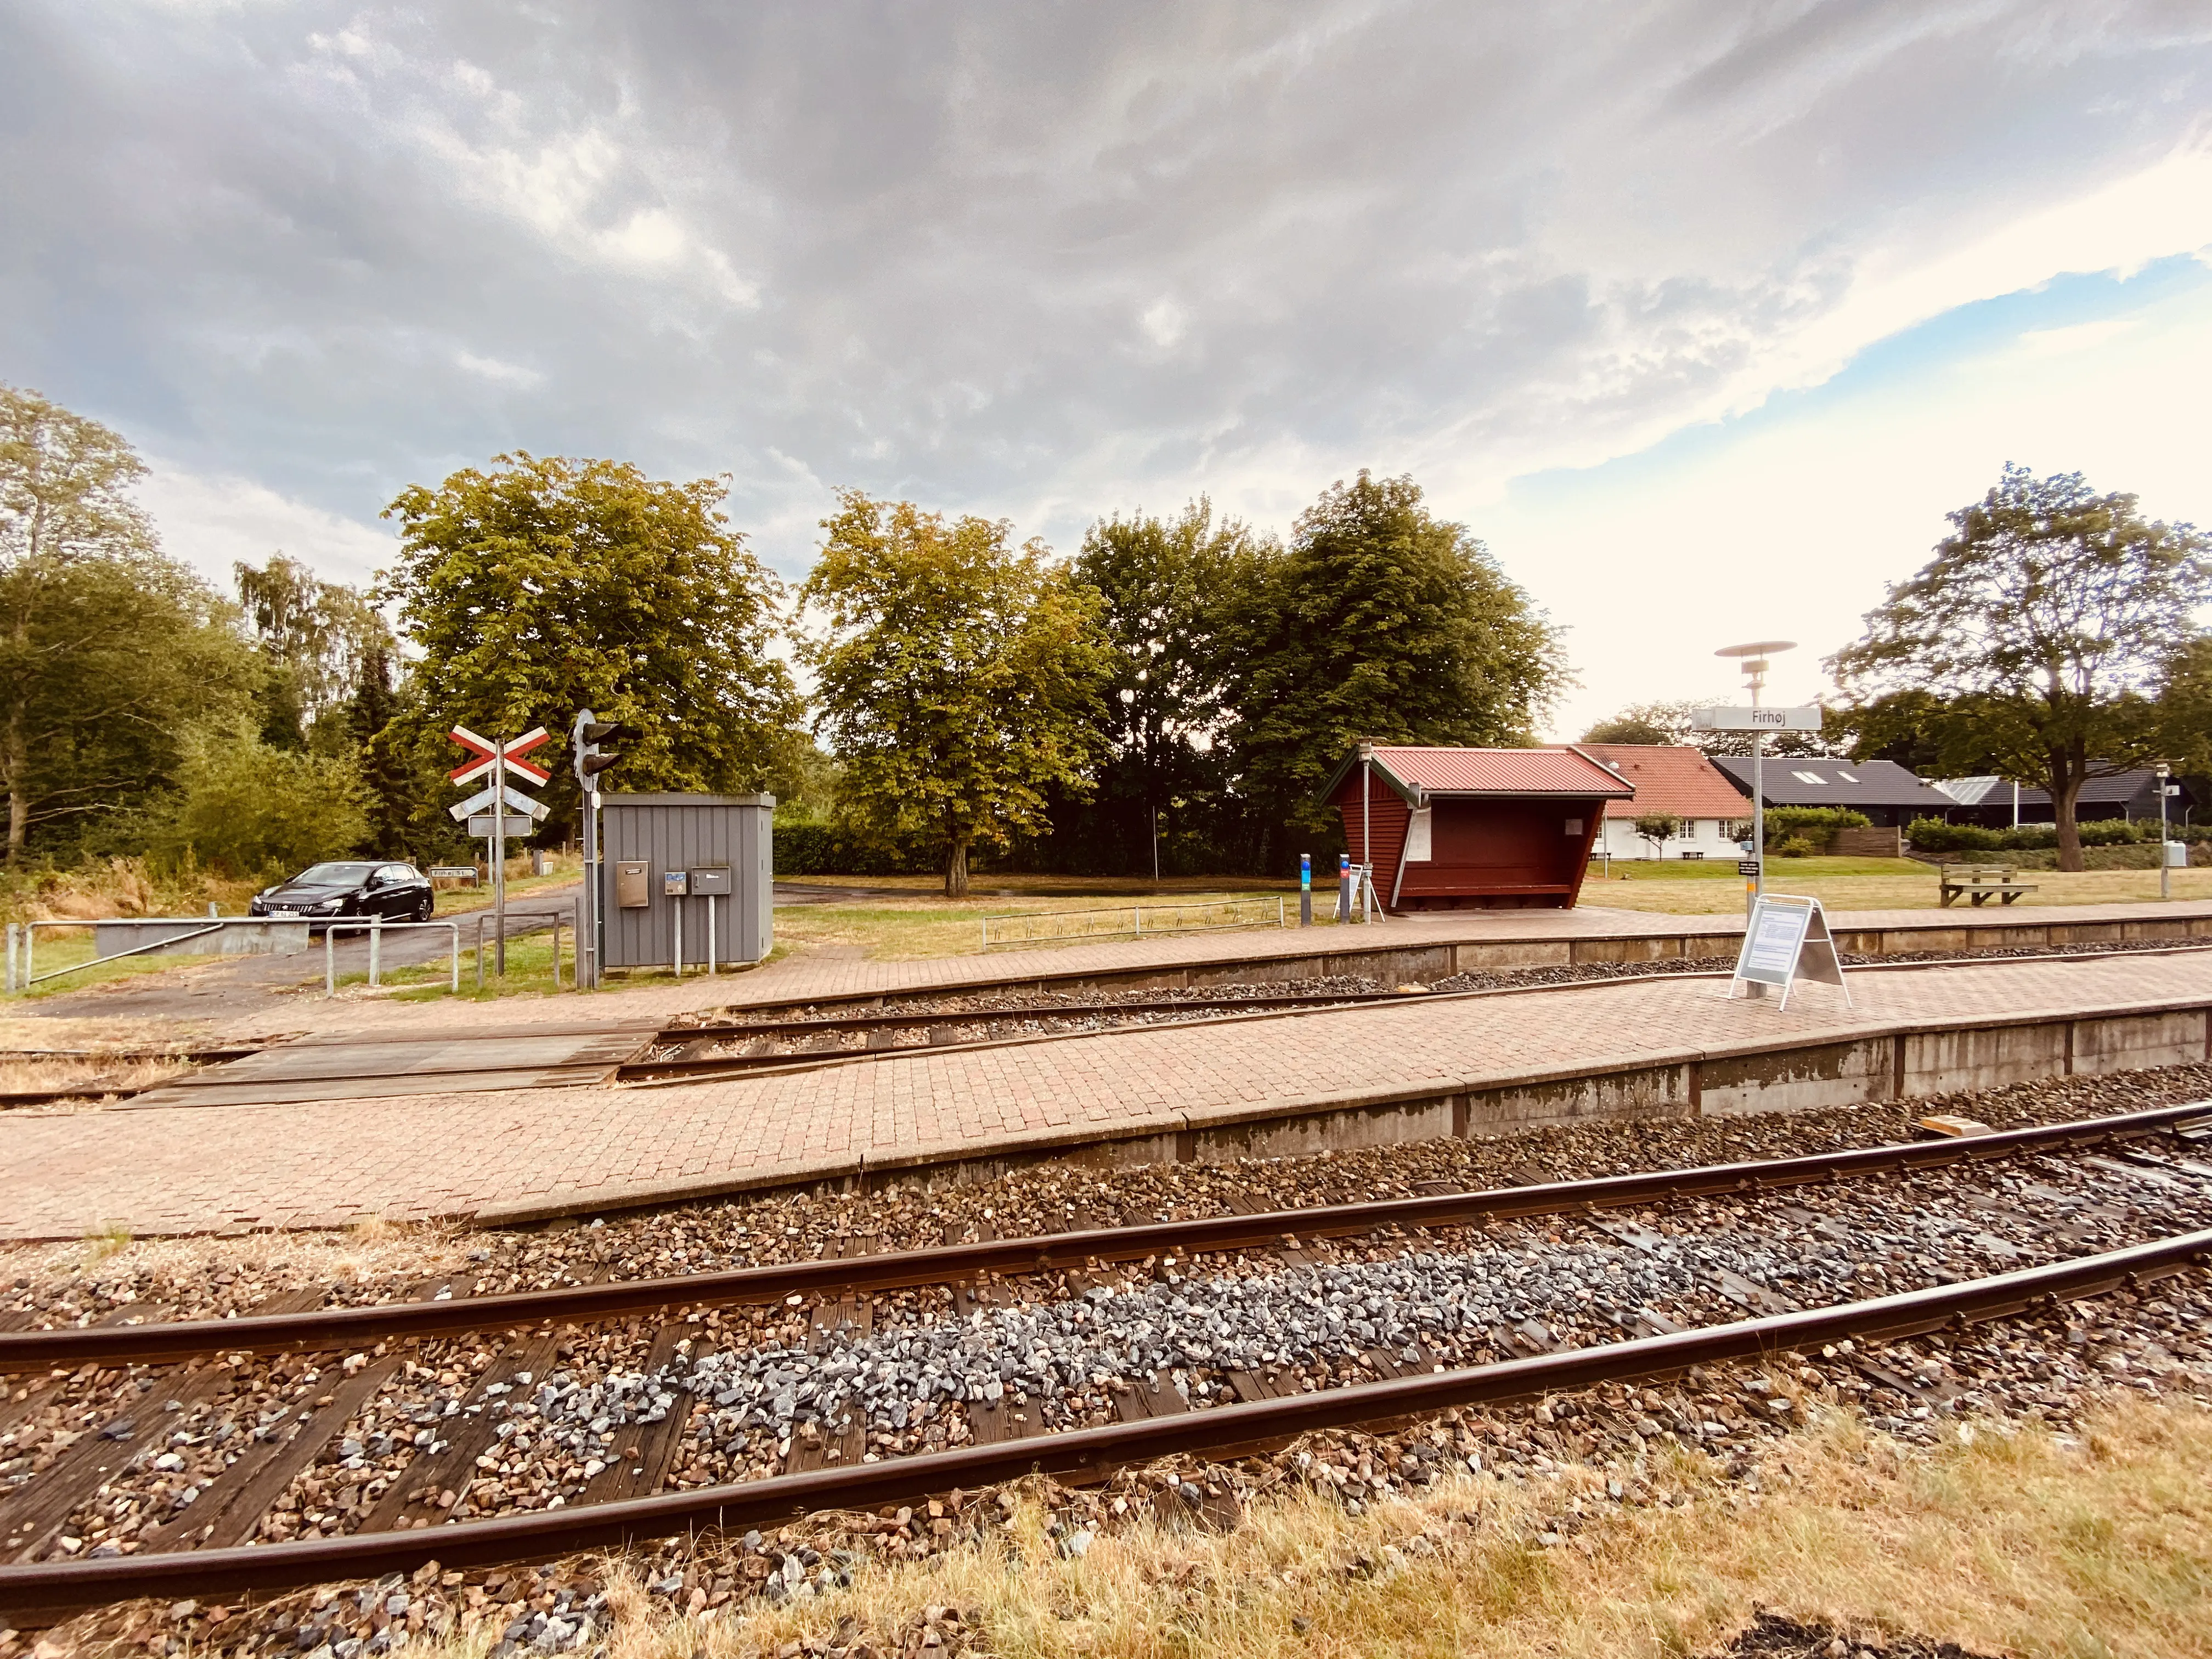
{"points": [[585, 737], [590, 733]]}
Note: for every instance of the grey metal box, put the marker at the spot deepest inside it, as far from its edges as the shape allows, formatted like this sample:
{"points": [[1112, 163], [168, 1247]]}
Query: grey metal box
{"points": [[631, 891], [711, 881], [675, 884], [695, 835]]}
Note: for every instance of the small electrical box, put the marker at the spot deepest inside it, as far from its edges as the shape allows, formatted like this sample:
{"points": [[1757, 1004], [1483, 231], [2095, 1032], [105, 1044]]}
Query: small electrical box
{"points": [[2176, 855], [675, 884], [631, 891], [711, 881]]}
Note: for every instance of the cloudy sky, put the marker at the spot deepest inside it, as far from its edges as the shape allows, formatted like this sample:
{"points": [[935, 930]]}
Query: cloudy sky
{"points": [[1701, 314]]}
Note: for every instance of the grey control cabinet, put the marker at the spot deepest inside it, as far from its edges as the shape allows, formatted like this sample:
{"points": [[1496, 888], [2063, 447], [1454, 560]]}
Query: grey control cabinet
{"points": [[650, 846]]}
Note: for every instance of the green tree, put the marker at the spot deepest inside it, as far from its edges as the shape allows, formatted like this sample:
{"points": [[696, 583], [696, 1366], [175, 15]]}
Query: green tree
{"points": [[109, 652], [1381, 622], [957, 676], [1658, 828], [2041, 632], [1163, 583], [1659, 723], [316, 638], [248, 809], [544, 586]]}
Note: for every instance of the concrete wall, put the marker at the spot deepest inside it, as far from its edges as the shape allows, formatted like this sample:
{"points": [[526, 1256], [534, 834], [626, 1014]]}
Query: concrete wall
{"points": [[182, 936]]}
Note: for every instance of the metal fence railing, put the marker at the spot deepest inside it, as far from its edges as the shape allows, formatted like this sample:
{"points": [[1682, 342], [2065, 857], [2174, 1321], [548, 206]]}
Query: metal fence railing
{"points": [[20, 972], [1133, 921]]}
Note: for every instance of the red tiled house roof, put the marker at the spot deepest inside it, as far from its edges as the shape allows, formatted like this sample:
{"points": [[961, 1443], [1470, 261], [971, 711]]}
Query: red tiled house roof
{"points": [[1668, 778]]}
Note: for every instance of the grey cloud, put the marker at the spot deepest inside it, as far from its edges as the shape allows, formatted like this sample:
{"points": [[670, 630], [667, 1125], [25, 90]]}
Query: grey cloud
{"points": [[342, 248]]}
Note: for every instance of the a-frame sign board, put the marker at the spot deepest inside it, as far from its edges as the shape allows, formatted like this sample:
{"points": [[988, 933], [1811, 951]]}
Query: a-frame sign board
{"points": [[1787, 940]]}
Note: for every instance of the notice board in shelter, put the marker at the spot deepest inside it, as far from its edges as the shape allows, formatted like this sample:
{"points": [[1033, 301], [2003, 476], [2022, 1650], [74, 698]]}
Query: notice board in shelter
{"points": [[674, 836]]}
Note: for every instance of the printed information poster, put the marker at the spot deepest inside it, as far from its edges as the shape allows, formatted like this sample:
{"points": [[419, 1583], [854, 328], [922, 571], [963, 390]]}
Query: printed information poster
{"points": [[1787, 940]]}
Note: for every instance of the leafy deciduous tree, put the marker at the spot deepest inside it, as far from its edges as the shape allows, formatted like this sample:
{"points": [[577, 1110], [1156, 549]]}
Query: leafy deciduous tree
{"points": [[2040, 634], [316, 638], [958, 675], [1164, 583], [109, 652], [544, 586], [1379, 622]]}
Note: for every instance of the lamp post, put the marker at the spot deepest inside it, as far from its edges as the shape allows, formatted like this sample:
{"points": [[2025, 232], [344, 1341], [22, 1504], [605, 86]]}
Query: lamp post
{"points": [[1754, 657]]}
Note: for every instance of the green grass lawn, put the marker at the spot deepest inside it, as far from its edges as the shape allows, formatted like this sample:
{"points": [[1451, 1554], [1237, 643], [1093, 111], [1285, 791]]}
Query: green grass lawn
{"points": [[55, 950]]}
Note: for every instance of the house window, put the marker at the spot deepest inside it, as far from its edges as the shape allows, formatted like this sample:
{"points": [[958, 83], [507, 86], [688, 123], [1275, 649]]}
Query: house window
{"points": [[1574, 826], [1417, 837]]}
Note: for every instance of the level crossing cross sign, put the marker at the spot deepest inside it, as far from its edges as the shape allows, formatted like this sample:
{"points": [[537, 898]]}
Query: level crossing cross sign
{"points": [[492, 756]]}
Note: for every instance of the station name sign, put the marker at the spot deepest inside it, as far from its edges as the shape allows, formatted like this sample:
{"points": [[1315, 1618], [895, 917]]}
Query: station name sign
{"points": [[1807, 719]]}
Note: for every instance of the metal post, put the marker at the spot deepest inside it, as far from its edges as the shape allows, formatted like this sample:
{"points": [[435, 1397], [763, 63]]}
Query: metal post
{"points": [[1137, 911], [587, 923], [375, 946], [498, 848], [480, 950], [1366, 772], [329, 963], [713, 940], [1282, 915], [457, 957], [679, 938], [2165, 875], [1343, 889], [11, 959], [1305, 889]]}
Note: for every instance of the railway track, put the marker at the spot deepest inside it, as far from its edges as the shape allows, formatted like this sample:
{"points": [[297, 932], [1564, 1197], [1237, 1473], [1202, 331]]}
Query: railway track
{"points": [[776, 1040], [693, 1380], [736, 1048]]}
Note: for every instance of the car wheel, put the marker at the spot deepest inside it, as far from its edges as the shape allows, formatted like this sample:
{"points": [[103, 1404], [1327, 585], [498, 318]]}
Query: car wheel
{"points": [[423, 907]]}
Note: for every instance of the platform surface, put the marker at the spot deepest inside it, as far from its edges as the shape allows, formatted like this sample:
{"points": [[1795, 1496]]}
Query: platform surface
{"points": [[484, 1154]]}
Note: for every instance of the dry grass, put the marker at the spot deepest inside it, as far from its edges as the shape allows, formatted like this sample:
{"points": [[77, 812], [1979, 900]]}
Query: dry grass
{"points": [[370, 1251], [2009, 1542]]}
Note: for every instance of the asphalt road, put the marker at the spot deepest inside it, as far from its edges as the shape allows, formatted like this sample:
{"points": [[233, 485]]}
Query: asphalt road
{"points": [[244, 984]]}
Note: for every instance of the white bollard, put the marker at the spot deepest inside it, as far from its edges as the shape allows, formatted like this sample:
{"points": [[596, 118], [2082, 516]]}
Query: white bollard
{"points": [[375, 947]]}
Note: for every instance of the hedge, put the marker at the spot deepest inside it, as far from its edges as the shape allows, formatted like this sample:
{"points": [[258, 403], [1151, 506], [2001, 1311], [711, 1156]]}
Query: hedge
{"points": [[1934, 835]]}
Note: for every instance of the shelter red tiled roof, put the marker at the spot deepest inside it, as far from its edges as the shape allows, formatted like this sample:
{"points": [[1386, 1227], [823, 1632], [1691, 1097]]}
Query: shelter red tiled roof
{"points": [[1669, 778], [1496, 771]]}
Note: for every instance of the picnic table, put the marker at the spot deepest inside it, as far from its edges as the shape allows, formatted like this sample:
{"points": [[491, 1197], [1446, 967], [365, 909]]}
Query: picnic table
{"points": [[1980, 883]]}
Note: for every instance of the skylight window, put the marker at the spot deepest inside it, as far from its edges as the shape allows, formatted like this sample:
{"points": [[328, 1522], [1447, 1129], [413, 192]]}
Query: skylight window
{"points": [[1808, 777], [1846, 776]]}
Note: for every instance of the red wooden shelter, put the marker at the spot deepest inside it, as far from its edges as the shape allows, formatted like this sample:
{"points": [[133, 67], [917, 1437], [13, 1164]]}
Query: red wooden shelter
{"points": [[1474, 828]]}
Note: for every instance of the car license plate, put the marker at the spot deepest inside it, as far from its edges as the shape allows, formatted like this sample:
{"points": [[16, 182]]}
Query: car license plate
{"points": [[284, 913]]}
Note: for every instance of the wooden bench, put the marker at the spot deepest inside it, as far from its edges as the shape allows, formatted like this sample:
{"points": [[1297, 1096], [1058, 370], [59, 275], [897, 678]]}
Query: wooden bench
{"points": [[1981, 883]]}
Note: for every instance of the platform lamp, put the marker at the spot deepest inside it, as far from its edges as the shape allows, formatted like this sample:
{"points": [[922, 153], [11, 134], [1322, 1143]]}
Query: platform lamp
{"points": [[1754, 657]]}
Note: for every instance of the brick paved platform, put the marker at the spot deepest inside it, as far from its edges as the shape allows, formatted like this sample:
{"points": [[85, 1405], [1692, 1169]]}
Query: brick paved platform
{"points": [[1429, 945], [1264, 1085]]}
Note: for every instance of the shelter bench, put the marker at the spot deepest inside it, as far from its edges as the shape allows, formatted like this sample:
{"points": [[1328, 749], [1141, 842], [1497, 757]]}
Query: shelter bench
{"points": [[1980, 883]]}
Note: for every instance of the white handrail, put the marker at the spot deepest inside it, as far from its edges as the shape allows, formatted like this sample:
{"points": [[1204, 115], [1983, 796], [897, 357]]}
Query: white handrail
{"points": [[376, 927]]}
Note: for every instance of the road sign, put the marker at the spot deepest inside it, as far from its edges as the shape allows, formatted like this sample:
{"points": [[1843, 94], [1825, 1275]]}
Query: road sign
{"points": [[490, 755], [513, 798], [516, 828], [499, 812], [1807, 719]]}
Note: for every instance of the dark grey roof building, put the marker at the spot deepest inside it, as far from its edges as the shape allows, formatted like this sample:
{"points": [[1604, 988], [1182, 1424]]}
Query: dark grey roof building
{"points": [[1886, 792], [1989, 801]]}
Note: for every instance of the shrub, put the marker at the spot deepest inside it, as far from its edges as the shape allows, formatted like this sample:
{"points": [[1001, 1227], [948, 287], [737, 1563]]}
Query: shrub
{"points": [[1793, 847], [247, 809], [807, 849], [1814, 825]]}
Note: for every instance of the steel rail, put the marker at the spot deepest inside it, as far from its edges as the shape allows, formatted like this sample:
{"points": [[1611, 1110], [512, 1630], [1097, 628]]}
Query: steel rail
{"points": [[360, 1328], [43, 1591], [835, 1021]]}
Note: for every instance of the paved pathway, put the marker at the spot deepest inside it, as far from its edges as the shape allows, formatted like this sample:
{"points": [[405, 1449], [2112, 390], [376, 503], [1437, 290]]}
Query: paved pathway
{"points": [[322, 1164], [846, 972]]}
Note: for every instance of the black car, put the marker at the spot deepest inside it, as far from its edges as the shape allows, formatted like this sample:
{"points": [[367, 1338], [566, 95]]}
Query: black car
{"points": [[397, 892]]}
